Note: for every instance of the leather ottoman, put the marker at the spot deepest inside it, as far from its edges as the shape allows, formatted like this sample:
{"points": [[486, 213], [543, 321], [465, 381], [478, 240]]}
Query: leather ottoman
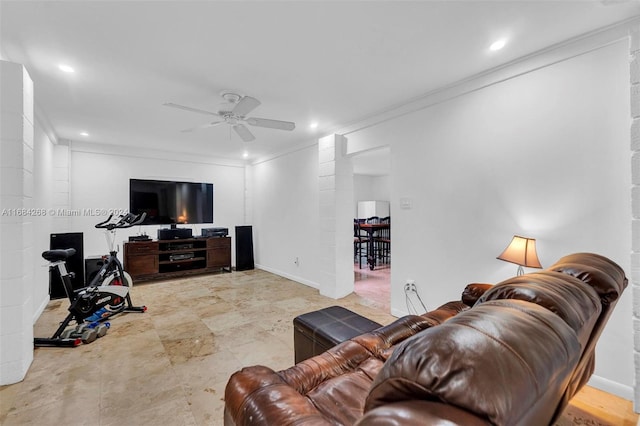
{"points": [[315, 332]]}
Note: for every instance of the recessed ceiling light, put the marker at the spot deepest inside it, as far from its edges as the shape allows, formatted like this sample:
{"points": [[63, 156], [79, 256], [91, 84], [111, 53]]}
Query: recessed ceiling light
{"points": [[314, 125], [66, 68], [245, 154], [84, 134], [498, 44]]}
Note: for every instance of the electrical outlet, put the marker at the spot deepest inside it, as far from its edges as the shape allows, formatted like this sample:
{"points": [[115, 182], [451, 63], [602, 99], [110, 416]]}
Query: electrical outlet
{"points": [[409, 284]]}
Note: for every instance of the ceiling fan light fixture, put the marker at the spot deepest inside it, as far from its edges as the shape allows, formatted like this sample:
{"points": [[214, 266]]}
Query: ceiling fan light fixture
{"points": [[230, 97]]}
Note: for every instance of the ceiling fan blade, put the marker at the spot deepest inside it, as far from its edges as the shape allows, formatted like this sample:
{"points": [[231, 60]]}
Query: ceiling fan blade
{"points": [[186, 108], [243, 132], [272, 124], [245, 105], [203, 126]]}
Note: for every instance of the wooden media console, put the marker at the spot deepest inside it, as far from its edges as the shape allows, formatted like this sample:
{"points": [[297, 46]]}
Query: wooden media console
{"points": [[146, 260]]}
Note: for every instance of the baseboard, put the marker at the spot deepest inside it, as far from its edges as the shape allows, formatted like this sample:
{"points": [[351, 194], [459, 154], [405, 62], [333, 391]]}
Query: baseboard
{"points": [[398, 313], [289, 276], [41, 309], [615, 388]]}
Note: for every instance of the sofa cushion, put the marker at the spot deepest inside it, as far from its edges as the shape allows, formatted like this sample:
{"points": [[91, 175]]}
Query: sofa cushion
{"points": [[605, 276], [573, 300], [420, 413], [506, 361]]}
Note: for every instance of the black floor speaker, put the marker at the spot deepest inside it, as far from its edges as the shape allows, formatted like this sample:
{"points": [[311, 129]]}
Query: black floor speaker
{"points": [[92, 266], [244, 248], [75, 263]]}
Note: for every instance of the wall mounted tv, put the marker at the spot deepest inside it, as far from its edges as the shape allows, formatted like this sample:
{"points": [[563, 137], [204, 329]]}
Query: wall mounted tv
{"points": [[168, 202]]}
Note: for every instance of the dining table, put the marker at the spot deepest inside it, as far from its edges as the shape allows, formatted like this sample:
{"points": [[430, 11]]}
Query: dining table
{"points": [[371, 229]]}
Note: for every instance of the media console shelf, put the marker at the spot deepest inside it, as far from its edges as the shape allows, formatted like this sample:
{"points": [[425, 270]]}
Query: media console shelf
{"points": [[146, 260]]}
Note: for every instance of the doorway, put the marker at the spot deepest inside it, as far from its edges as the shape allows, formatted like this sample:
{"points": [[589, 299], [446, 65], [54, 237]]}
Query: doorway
{"points": [[371, 182]]}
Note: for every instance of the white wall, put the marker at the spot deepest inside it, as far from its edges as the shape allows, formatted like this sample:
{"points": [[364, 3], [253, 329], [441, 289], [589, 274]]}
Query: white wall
{"points": [[370, 188], [285, 205], [100, 180], [545, 155], [362, 190], [381, 187]]}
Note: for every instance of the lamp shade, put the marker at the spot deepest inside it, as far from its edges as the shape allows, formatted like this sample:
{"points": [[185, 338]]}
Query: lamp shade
{"points": [[521, 251]]}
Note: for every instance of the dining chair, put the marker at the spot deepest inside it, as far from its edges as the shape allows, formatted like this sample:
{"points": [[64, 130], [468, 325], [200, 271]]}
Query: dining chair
{"points": [[360, 242], [383, 240]]}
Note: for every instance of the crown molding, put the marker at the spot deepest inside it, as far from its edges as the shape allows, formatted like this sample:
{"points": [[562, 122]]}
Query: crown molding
{"points": [[156, 154]]}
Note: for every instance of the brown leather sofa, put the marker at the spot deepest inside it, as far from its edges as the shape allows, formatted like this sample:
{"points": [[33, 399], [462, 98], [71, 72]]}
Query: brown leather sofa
{"points": [[516, 357]]}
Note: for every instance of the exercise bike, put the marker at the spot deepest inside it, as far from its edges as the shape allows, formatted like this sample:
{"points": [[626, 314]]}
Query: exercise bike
{"points": [[83, 303], [107, 294], [112, 272]]}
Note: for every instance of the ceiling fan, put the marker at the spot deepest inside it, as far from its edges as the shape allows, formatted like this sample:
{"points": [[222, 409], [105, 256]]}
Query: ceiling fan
{"points": [[234, 113]]}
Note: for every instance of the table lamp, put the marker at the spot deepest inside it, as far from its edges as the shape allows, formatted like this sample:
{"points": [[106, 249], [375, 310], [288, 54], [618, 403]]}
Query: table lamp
{"points": [[522, 252]]}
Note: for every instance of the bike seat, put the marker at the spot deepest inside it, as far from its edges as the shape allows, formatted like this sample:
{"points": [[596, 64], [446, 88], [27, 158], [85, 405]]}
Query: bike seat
{"points": [[60, 254]]}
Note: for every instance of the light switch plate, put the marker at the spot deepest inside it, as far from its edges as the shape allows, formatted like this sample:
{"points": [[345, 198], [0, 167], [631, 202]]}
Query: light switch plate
{"points": [[406, 203]]}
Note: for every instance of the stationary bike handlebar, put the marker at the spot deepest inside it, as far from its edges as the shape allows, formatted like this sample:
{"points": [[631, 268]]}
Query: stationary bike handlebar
{"points": [[124, 221]]}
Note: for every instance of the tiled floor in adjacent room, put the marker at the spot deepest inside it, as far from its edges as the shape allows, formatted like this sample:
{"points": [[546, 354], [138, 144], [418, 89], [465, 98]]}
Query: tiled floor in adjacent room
{"points": [[374, 285], [169, 366]]}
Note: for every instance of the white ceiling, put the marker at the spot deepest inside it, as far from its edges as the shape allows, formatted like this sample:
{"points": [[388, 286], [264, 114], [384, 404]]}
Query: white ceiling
{"points": [[334, 62]]}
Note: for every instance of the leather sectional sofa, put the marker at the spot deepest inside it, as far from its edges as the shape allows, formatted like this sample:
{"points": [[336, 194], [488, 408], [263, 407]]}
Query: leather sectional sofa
{"points": [[510, 354]]}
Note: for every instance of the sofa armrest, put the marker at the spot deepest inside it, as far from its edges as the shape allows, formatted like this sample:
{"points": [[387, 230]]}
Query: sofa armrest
{"points": [[445, 312], [420, 412], [249, 397], [386, 336], [473, 291], [310, 373]]}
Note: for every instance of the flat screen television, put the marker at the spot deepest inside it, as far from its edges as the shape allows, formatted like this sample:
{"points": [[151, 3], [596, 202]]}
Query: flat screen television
{"points": [[169, 202]]}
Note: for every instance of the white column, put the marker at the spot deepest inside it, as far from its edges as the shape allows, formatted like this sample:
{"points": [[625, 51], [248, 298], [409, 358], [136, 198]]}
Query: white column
{"points": [[16, 238], [336, 217], [635, 200]]}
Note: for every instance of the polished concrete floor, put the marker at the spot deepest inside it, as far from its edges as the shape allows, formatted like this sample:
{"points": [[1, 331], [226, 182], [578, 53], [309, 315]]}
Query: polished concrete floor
{"points": [[169, 365]]}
